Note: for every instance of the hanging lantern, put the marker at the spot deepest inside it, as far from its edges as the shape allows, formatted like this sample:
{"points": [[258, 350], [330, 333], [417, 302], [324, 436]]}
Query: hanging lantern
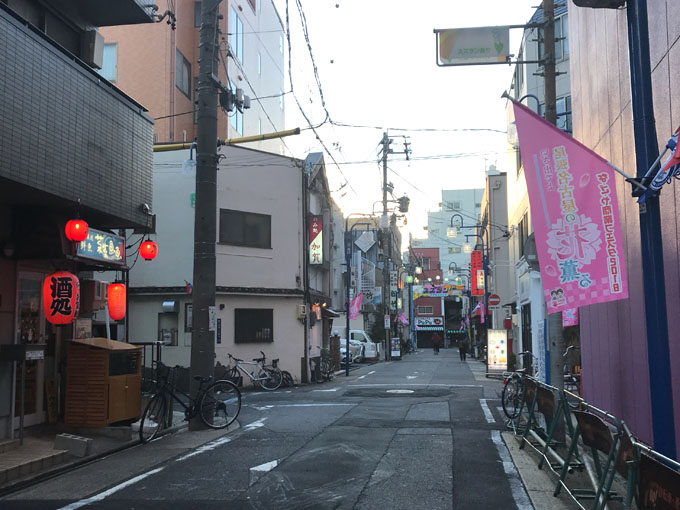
{"points": [[148, 250], [61, 297], [116, 295], [76, 230]]}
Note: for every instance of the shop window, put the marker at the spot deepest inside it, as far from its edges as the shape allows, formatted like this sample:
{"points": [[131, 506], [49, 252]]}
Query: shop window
{"points": [[425, 310], [245, 229]]}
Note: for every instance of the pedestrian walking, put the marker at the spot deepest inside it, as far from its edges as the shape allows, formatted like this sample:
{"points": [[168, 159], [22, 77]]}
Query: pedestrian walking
{"points": [[462, 350], [436, 342]]}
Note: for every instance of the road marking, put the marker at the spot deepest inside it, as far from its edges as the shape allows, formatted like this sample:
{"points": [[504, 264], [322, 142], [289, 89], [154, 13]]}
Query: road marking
{"points": [[361, 377], [411, 377], [418, 384], [266, 467], [112, 490], [271, 406], [519, 494], [254, 425], [334, 389], [400, 391], [487, 412], [205, 448]]}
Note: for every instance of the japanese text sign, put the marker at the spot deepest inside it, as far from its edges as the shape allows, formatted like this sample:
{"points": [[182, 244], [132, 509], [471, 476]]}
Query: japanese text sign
{"points": [[102, 246], [473, 45], [476, 266], [316, 240], [572, 193]]}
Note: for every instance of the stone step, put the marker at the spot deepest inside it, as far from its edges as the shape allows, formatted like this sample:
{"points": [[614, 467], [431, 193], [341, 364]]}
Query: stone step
{"points": [[7, 445], [24, 461]]}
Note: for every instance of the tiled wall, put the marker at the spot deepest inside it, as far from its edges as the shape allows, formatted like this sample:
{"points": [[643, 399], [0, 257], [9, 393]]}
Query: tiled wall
{"points": [[66, 132], [613, 335]]}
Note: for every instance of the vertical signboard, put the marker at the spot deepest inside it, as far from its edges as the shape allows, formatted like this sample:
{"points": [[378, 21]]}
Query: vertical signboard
{"points": [[477, 269], [497, 350], [316, 240]]}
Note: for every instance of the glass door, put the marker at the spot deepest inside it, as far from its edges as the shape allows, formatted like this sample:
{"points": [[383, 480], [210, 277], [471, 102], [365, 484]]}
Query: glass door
{"points": [[30, 329]]}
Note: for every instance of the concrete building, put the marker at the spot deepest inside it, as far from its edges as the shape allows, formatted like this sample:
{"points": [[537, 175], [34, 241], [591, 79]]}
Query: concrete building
{"points": [[270, 295], [159, 68], [529, 317], [73, 144]]}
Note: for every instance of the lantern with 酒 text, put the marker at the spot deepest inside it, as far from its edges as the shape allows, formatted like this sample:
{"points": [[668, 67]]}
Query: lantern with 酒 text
{"points": [[148, 250], [76, 230], [116, 295], [61, 297]]}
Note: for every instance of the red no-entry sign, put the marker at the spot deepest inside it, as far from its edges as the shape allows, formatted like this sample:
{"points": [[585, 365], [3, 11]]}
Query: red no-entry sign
{"points": [[494, 300]]}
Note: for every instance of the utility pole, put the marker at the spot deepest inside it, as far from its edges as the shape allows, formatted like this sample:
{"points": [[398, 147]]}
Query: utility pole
{"points": [[387, 248], [555, 334], [205, 223]]}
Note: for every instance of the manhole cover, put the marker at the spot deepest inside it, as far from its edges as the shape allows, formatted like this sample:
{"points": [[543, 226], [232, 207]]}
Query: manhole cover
{"points": [[399, 391]]}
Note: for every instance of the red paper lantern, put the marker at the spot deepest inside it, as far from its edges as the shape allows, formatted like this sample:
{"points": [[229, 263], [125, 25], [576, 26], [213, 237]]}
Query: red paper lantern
{"points": [[61, 297], [117, 298], [76, 230], [148, 250]]}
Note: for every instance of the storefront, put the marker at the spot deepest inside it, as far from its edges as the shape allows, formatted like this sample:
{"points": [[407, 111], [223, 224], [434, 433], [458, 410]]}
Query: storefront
{"points": [[426, 328]]}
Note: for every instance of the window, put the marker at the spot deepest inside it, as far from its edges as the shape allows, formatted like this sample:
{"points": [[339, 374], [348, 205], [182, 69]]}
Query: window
{"points": [[245, 229], [253, 325], [425, 263], [523, 233], [258, 5], [561, 45], [454, 249], [167, 328], [182, 74], [259, 64], [259, 126], [109, 69], [236, 117], [188, 317], [281, 99], [563, 107], [235, 34], [425, 310], [281, 44], [197, 14]]}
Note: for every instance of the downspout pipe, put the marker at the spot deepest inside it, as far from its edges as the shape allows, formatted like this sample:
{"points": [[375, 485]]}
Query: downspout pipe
{"points": [[646, 150]]}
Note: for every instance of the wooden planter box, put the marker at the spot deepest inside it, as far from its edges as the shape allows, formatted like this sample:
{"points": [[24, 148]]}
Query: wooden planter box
{"points": [[103, 382]]}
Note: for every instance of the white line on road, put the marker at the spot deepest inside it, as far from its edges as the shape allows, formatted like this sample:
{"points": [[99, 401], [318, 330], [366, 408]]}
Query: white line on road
{"points": [[334, 389], [112, 490], [254, 425], [487, 412], [418, 384], [519, 494], [361, 377], [271, 406], [205, 448]]}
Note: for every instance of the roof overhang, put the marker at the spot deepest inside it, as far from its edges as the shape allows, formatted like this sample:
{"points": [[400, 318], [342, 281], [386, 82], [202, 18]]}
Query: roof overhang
{"points": [[105, 13]]}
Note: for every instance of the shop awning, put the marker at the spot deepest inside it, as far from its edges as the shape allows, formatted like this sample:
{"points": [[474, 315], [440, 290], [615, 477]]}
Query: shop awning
{"points": [[429, 328], [327, 312]]}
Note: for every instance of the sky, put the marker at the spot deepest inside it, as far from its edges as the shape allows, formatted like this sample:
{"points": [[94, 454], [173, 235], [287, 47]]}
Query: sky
{"points": [[376, 67]]}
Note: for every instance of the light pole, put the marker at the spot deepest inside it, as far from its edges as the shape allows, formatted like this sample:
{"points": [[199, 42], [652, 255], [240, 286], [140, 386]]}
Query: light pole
{"points": [[349, 242]]}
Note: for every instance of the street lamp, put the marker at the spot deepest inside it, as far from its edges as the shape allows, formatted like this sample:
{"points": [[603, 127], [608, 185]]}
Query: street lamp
{"points": [[349, 242]]}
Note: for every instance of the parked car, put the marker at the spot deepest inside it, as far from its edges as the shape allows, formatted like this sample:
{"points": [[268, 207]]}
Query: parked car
{"points": [[359, 341]]}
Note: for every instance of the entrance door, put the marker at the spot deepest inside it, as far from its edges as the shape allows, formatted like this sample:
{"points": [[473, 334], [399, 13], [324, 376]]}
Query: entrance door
{"points": [[30, 329]]}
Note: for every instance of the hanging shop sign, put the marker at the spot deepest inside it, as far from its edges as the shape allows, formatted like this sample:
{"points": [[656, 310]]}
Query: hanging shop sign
{"points": [[569, 317], [429, 321], [316, 240], [103, 247], [61, 297], [476, 266], [473, 45]]}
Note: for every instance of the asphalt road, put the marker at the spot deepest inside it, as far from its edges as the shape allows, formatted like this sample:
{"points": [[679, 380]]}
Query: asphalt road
{"points": [[422, 432]]}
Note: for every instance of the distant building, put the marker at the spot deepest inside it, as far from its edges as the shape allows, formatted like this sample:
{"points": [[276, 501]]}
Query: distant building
{"points": [[158, 66]]}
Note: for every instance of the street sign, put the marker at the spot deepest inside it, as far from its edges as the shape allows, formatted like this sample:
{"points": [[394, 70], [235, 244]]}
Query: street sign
{"points": [[473, 45], [494, 300]]}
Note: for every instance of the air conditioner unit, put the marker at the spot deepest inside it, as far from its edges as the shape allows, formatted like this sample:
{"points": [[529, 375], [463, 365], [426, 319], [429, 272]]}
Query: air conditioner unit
{"points": [[92, 295], [301, 311], [93, 48]]}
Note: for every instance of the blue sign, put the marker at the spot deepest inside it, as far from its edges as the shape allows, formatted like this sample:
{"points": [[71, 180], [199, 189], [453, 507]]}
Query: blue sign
{"points": [[103, 247]]}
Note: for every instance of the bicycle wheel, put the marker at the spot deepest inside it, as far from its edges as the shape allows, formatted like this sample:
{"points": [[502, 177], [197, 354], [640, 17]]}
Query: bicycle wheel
{"points": [[287, 379], [512, 397], [269, 378], [154, 418], [220, 404], [327, 369]]}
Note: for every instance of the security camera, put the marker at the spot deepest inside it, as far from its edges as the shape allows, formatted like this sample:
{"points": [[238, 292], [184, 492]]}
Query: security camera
{"points": [[145, 208]]}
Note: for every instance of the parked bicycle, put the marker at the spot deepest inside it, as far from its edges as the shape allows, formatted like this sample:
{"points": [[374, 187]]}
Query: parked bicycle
{"points": [[572, 378], [217, 403], [324, 371], [512, 397], [268, 377]]}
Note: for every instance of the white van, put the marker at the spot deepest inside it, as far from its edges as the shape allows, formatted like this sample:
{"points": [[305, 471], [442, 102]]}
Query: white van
{"points": [[359, 341]]}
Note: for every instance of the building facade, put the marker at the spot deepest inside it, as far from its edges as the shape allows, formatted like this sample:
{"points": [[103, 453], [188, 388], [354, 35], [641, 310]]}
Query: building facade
{"points": [[72, 145], [159, 68]]}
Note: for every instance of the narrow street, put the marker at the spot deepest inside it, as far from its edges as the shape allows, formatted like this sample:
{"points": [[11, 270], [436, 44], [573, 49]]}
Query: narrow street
{"points": [[422, 432]]}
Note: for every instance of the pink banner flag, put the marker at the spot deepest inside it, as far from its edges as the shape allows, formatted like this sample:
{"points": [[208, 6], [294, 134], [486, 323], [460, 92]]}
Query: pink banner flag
{"points": [[569, 317], [355, 306], [575, 215]]}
